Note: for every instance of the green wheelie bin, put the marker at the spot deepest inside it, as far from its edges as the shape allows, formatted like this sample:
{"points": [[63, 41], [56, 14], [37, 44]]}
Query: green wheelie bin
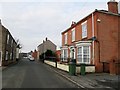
{"points": [[82, 70], [72, 67]]}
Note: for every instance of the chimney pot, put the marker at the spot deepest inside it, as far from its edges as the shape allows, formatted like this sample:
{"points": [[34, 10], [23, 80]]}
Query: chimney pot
{"points": [[46, 39], [73, 23]]}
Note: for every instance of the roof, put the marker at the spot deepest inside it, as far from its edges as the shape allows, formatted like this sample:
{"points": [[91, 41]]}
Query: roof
{"points": [[6, 30], [47, 41], [101, 11]]}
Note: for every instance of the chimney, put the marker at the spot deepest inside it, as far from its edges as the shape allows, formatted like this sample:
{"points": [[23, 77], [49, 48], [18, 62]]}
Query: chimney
{"points": [[113, 6], [73, 23], [0, 22], [46, 39]]}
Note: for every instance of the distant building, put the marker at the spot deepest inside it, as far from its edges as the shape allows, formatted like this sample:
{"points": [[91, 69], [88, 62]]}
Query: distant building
{"points": [[94, 40], [34, 54], [46, 45], [7, 47]]}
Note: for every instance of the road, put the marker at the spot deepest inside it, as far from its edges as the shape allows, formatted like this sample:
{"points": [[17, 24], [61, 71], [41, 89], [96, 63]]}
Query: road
{"points": [[32, 74]]}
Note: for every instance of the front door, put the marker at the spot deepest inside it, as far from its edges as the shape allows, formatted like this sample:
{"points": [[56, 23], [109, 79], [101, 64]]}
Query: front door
{"points": [[72, 53]]}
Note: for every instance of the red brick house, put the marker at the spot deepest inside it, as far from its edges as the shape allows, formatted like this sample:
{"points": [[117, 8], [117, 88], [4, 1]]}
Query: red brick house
{"points": [[94, 40]]}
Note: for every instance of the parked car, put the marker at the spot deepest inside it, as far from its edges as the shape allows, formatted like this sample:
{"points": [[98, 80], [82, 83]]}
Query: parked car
{"points": [[31, 58]]}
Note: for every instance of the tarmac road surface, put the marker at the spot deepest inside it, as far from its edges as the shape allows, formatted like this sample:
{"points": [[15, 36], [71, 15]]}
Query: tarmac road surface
{"points": [[32, 74]]}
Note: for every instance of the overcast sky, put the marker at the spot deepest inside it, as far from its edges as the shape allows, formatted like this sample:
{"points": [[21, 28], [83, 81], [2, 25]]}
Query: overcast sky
{"points": [[31, 21]]}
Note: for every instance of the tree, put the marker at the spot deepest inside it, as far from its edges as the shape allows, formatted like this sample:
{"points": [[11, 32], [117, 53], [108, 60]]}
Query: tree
{"points": [[49, 55]]}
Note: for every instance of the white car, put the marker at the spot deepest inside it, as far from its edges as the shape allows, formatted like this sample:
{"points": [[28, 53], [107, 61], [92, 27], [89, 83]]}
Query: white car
{"points": [[31, 58]]}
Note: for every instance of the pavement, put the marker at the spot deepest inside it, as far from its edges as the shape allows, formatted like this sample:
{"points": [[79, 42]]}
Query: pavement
{"points": [[92, 80], [2, 68]]}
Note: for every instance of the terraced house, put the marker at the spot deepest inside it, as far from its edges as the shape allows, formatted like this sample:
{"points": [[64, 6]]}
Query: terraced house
{"points": [[95, 39], [7, 47]]}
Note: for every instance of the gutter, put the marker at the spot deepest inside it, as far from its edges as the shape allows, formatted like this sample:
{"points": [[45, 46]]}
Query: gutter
{"points": [[93, 36]]}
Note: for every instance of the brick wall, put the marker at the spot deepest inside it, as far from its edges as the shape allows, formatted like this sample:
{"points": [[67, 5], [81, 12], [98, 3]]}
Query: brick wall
{"points": [[107, 36]]}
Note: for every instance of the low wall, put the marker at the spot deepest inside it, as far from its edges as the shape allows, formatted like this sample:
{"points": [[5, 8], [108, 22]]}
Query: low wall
{"points": [[89, 69], [50, 63], [64, 67]]}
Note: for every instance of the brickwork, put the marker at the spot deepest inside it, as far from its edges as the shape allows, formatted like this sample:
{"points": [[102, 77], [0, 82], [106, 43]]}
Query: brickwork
{"points": [[106, 28]]}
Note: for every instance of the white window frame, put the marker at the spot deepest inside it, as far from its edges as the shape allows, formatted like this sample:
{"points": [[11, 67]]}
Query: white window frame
{"points": [[82, 48], [11, 42], [11, 56], [64, 58], [17, 53], [8, 36], [73, 34], [84, 29], [6, 55], [66, 36]]}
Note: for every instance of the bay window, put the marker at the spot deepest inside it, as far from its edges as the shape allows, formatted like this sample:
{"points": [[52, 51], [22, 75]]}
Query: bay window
{"points": [[83, 54]]}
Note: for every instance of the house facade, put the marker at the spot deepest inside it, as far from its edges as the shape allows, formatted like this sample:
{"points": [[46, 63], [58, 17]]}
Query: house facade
{"points": [[7, 47], [46, 45], [94, 40]]}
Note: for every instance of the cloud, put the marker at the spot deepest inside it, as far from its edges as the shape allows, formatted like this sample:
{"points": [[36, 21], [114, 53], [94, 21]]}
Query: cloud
{"points": [[54, 0], [32, 22]]}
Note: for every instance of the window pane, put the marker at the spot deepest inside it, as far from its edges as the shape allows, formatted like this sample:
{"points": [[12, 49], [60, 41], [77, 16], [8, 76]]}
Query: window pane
{"points": [[79, 54], [6, 58], [7, 38], [79, 58], [73, 35], [65, 38], [86, 54], [65, 54], [84, 30]]}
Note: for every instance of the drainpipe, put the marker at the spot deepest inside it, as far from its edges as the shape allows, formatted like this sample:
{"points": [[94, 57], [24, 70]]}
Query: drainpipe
{"points": [[93, 36]]}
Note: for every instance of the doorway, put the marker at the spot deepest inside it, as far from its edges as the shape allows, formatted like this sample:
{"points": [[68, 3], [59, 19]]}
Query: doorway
{"points": [[72, 53]]}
